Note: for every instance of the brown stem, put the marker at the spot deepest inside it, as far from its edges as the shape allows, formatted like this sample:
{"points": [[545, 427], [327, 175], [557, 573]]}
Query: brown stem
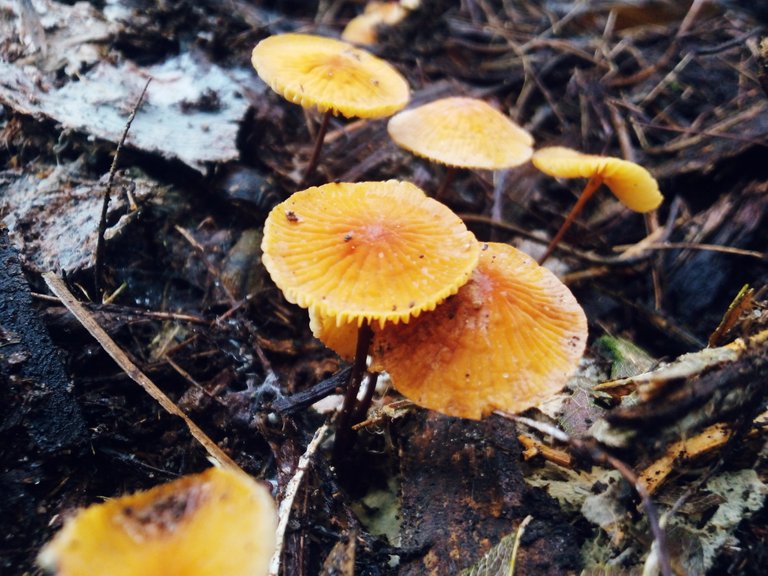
{"points": [[316, 150], [344, 432], [450, 172], [589, 190], [361, 410]]}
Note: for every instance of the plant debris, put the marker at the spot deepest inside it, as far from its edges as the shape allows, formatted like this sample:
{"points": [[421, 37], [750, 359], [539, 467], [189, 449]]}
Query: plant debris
{"points": [[651, 460]]}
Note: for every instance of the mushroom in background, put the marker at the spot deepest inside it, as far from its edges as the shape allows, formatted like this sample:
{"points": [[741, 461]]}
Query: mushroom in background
{"points": [[632, 184], [461, 133], [330, 75]]}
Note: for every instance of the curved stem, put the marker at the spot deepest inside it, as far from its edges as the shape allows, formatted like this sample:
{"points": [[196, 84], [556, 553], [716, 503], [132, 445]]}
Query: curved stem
{"points": [[312, 164], [589, 190], [344, 433]]}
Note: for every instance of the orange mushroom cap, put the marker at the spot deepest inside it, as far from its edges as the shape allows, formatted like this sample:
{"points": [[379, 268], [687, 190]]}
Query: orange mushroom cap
{"points": [[339, 337], [329, 74], [510, 338], [217, 522], [367, 251], [462, 132], [632, 184], [362, 29]]}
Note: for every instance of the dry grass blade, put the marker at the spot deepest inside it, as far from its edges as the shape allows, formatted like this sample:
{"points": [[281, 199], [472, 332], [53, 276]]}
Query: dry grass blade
{"points": [[85, 318]]}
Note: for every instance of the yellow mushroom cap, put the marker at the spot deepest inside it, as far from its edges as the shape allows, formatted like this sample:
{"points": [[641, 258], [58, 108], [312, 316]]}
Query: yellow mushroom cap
{"points": [[219, 522], [367, 251], [632, 184], [329, 74], [509, 339], [462, 132], [362, 29]]}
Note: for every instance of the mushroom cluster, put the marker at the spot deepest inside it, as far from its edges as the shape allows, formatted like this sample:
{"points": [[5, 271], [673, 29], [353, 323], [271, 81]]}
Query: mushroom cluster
{"points": [[461, 327]]}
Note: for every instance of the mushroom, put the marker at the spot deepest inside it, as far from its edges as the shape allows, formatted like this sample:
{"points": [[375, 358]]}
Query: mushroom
{"points": [[509, 339], [365, 253], [363, 29], [632, 184], [217, 522], [461, 133], [333, 76]]}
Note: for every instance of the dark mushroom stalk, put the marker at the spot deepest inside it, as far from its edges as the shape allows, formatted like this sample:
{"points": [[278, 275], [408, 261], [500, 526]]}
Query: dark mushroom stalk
{"points": [[315, 157], [351, 409]]}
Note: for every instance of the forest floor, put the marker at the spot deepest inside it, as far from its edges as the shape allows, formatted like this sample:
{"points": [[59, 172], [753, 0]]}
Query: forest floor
{"points": [[666, 472]]}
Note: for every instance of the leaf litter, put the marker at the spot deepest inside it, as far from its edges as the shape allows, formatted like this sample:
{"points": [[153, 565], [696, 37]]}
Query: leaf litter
{"points": [[671, 86]]}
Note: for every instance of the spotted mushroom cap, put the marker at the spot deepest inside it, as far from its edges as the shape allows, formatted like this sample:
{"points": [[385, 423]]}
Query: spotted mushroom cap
{"points": [[509, 339], [632, 184], [376, 251], [216, 522], [329, 74], [462, 132]]}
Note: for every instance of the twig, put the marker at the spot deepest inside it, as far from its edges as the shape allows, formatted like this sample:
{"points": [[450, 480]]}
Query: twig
{"points": [[98, 270], [119, 310], [291, 489], [300, 400], [85, 318], [516, 545], [695, 246]]}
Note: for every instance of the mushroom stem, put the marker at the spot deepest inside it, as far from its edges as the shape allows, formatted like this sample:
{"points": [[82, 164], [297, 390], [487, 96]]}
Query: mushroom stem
{"points": [[450, 173], [316, 150], [589, 190], [344, 433], [361, 410]]}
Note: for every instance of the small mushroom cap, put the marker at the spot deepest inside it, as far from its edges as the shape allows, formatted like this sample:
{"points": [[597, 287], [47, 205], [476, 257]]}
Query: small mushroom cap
{"points": [[362, 29], [367, 251], [329, 74], [462, 132], [632, 184], [216, 522], [509, 339]]}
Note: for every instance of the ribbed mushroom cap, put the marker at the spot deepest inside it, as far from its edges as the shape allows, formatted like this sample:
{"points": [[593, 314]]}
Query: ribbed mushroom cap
{"points": [[632, 184], [379, 251], [329, 74], [509, 339], [217, 522], [462, 132]]}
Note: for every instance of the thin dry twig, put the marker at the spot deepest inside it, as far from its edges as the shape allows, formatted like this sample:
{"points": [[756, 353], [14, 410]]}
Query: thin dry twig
{"points": [[291, 489], [695, 246], [98, 269], [85, 318]]}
